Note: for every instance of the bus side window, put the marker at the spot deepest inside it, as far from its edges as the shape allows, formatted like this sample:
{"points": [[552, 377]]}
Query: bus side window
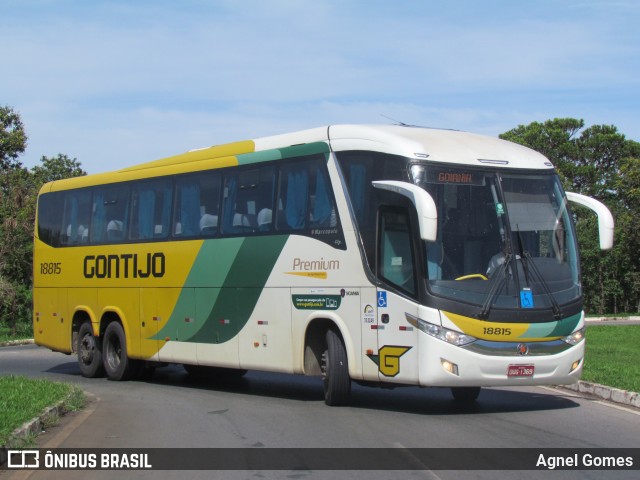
{"points": [[50, 222], [151, 210], [305, 198], [293, 197], [395, 256], [77, 214], [323, 212], [110, 218], [197, 205], [248, 201]]}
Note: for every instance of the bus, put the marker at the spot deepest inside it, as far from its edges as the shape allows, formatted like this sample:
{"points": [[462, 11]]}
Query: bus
{"points": [[383, 255]]}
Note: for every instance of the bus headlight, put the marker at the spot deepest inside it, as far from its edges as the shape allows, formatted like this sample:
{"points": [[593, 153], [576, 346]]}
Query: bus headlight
{"points": [[575, 338], [449, 336]]}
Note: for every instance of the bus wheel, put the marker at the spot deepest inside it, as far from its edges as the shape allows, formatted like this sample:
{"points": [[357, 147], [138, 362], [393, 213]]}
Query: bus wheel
{"points": [[89, 352], [465, 394], [335, 371], [114, 351]]}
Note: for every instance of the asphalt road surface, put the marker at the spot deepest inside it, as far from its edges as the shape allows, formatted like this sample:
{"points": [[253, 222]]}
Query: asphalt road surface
{"points": [[173, 409]]}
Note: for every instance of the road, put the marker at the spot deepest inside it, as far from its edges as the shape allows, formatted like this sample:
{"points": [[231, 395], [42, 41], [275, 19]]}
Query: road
{"points": [[173, 410]]}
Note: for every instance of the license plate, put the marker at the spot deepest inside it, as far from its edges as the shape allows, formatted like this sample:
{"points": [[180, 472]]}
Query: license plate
{"points": [[520, 370]]}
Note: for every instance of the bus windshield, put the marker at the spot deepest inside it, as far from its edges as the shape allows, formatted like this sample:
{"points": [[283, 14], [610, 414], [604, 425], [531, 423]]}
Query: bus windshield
{"points": [[505, 240]]}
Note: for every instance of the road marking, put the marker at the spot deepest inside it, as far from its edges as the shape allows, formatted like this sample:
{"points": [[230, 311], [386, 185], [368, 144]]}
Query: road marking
{"points": [[424, 471], [571, 393]]}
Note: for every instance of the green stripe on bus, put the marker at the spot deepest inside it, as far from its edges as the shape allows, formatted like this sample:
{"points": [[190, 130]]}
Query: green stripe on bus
{"points": [[561, 328], [241, 290], [257, 157], [566, 326], [226, 281], [281, 153], [304, 150]]}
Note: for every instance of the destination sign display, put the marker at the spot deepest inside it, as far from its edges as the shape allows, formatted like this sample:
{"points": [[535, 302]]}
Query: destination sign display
{"points": [[458, 177]]}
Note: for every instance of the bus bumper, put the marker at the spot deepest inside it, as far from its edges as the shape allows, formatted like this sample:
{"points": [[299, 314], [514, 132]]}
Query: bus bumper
{"points": [[446, 365]]}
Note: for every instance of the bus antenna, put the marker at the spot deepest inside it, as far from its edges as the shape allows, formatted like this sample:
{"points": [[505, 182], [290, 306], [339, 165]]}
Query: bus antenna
{"points": [[397, 122]]}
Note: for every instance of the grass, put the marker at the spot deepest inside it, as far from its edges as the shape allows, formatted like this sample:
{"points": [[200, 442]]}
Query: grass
{"points": [[22, 399], [613, 356], [23, 330]]}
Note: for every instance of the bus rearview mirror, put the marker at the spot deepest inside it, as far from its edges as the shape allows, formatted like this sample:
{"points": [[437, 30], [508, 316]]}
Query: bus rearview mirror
{"points": [[422, 201], [605, 219]]}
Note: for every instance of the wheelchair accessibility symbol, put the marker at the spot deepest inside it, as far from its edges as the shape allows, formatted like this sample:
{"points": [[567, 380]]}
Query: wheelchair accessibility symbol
{"points": [[382, 299], [526, 298]]}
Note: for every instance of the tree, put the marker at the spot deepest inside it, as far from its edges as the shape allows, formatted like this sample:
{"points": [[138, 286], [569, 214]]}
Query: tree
{"points": [[19, 189], [600, 162], [57, 168], [13, 139]]}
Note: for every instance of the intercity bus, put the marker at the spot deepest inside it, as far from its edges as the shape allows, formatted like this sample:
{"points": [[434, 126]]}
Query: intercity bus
{"points": [[383, 255]]}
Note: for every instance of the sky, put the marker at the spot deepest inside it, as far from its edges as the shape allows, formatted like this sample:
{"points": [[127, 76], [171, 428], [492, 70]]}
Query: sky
{"points": [[115, 83]]}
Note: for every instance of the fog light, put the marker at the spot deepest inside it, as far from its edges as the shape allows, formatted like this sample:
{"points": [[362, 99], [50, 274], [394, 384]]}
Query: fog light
{"points": [[449, 367], [575, 365]]}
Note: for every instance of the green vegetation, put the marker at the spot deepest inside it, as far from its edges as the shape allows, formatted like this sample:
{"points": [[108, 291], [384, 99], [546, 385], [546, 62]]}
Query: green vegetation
{"points": [[22, 399], [19, 189], [600, 162], [613, 357], [23, 330]]}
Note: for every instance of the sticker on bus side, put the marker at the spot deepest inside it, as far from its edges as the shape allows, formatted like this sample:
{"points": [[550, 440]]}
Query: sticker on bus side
{"points": [[316, 302]]}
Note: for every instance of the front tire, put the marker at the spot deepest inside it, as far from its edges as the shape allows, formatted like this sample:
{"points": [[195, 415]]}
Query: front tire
{"points": [[89, 349], [335, 371], [114, 351]]}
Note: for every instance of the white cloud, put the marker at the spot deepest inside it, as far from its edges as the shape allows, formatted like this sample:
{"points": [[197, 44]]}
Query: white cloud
{"points": [[113, 83]]}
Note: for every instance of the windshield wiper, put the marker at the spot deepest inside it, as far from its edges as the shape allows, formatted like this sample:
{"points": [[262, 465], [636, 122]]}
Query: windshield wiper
{"points": [[496, 286], [527, 261]]}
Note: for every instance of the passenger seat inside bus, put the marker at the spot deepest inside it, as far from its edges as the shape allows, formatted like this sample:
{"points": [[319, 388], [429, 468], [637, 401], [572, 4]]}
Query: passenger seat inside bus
{"points": [[265, 218], [115, 230], [208, 224]]}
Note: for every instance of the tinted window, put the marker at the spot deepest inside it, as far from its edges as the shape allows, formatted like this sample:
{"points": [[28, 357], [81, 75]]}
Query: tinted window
{"points": [[197, 205], [151, 209], [248, 201], [305, 199], [50, 209], [396, 261], [76, 217], [110, 218]]}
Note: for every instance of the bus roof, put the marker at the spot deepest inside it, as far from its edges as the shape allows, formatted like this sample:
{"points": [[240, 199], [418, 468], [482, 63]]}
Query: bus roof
{"points": [[420, 143]]}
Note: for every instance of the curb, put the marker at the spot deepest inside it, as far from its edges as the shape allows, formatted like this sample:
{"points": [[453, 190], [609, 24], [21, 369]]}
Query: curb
{"points": [[632, 318], [12, 343], [610, 394], [33, 427]]}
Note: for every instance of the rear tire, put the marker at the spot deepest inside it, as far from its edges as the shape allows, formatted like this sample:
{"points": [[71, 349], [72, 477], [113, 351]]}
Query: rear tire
{"points": [[335, 371], [89, 349], [465, 394], [114, 352]]}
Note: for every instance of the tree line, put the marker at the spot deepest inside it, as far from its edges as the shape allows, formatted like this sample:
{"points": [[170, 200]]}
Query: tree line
{"points": [[19, 187], [597, 161]]}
